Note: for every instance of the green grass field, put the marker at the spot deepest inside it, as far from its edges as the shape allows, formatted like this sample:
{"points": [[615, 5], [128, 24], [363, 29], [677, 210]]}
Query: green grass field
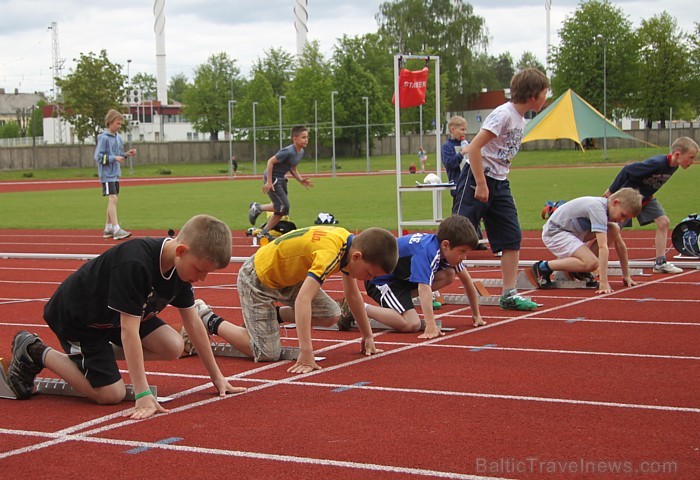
{"points": [[356, 201]]}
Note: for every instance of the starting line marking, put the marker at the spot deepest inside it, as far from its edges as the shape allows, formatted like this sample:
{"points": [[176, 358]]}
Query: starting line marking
{"points": [[165, 441], [482, 348], [350, 387]]}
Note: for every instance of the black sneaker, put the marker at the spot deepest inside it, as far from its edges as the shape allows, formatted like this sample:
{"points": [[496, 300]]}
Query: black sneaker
{"points": [[588, 277], [23, 369], [542, 280], [346, 320]]}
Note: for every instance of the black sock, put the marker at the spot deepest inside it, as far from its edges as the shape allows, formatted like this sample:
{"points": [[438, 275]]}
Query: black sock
{"points": [[544, 267], [279, 317], [213, 324], [36, 352]]}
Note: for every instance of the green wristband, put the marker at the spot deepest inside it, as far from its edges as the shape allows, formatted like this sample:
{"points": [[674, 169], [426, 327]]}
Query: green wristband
{"points": [[142, 394]]}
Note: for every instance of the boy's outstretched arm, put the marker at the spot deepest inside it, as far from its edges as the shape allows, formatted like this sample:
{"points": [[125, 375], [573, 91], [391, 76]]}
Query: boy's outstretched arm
{"points": [[200, 340], [357, 308], [425, 295], [302, 316], [133, 353], [472, 295], [304, 181], [603, 255], [621, 249]]}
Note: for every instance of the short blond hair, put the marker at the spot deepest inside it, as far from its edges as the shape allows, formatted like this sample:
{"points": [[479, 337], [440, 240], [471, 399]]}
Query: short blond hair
{"points": [[630, 199], [684, 145], [111, 116], [208, 238], [456, 121]]}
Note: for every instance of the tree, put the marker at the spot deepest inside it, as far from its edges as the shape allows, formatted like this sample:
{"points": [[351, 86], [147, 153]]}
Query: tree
{"points": [[206, 100], [694, 81], [10, 130], [353, 82], [309, 92], [36, 122], [597, 27], [529, 60], [277, 65], [447, 28], [95, 86], [259, 90], [177, 86], [147, 83]]}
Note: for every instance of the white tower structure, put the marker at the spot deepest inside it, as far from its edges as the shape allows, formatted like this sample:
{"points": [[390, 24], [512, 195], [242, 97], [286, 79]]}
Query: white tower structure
{"points": [[548, 8], [301, 16], [159, 29], [56, 70]]}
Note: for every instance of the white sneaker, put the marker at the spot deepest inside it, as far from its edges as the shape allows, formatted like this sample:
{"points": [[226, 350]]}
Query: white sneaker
{"points": [[667, 268], [107, 233], [202, 309], [121, 234]]}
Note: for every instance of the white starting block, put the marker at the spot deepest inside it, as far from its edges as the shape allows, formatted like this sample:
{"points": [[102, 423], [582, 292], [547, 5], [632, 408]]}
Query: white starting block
{"points": [[57, 386], [485, 297], [559, 280], [375, 325], [223, 349]]}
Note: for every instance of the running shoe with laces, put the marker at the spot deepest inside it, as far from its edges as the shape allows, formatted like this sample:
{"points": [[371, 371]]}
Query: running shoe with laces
{"points": [[667, 268], [541, 279], [346, 320], [108, 233], [588, 277], [121, 234], [23, 369], [516, 302], [203, 312], [253, 212]]}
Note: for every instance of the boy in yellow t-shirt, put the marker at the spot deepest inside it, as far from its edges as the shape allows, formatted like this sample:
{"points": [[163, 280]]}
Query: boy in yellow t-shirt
{"points": [[290, 270]]}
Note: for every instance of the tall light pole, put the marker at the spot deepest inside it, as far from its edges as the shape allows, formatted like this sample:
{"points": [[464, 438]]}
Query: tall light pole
{"points": [[316, 134], [333, 94], [255, 148], [601, 38], [128, 75], [366, 99], [280, 111], [231, 103]]}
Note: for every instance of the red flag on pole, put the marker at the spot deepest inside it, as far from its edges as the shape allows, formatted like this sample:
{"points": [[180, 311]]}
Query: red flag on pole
{"points": [[412, 87]]}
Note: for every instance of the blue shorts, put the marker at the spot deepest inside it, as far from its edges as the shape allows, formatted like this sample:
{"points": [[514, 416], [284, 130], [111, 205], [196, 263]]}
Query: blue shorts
{"points": [[499, 213]]}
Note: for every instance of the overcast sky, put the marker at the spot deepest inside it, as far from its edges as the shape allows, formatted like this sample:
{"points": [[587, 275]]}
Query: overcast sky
{"points": [[195, 29]]}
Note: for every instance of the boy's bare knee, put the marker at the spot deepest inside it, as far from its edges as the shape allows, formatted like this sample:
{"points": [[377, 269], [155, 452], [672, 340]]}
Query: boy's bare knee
{"points": [[109, 396], [591, 265], [663, 222]]}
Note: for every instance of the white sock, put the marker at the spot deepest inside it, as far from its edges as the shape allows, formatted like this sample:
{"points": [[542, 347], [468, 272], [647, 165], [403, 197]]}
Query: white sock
{"points": [[116, 227]]}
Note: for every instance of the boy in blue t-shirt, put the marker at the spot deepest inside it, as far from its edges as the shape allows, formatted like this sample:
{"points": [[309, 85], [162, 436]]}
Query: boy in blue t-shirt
{"points": [[275, 186], [427, 262]]}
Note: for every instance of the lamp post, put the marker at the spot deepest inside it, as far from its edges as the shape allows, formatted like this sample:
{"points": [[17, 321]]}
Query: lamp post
{"points": [[366, 99], [333, 94], [316, 134], [255, 148], [231, 103], [128, 75], [280, 111], [601, 38]]}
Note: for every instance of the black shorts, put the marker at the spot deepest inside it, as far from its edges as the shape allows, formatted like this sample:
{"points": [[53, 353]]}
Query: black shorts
{"points": [[91, 350], [396, 295], [499, 213], [110, 188]]}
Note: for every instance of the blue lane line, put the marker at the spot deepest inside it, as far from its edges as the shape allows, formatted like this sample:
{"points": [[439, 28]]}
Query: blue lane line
{"points": [[483, 347], [165, 441], [574, 320], [358, 384]]}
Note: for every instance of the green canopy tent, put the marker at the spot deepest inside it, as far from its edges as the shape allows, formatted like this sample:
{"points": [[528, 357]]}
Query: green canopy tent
{"points": [[570, 116]]}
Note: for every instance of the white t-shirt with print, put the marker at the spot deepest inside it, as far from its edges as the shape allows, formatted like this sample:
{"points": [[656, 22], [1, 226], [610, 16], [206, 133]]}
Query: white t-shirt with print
{"points": [[508, 125]]}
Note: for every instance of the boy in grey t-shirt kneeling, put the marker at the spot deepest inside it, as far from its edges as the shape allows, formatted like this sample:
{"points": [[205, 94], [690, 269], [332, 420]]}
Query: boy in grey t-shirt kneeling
{"points": [[579, 221]]}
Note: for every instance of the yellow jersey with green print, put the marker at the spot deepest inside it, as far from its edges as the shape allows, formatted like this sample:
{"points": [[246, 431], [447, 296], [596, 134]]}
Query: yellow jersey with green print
{"points": [[307, 252]]}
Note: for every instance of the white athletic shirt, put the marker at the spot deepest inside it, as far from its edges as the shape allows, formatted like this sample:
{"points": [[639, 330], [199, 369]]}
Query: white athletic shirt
{"points": [[508, 125]]}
